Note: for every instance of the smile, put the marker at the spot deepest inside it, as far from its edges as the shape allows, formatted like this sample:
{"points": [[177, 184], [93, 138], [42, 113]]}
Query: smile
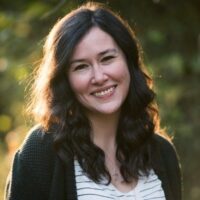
{"points": [[106, 92]]}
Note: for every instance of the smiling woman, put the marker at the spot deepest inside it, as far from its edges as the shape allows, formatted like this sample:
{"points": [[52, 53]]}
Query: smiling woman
{"points": [[98, 135], [98, 74]]}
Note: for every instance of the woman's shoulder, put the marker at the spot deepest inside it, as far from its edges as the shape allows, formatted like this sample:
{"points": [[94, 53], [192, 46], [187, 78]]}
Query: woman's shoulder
{"points": [[32, 169], [37, 146], [37, 136], [169, 163], [166, 149], [164, 143]]}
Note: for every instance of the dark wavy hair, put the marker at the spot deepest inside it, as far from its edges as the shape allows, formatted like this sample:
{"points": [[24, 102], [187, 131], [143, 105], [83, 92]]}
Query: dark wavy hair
{"points": [[55, 107]]}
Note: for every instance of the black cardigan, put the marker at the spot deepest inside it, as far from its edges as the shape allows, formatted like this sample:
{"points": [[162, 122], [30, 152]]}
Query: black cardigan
{"points": [[39, 174]]}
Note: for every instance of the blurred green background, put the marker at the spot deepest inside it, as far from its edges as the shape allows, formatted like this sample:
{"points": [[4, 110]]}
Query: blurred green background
{"points": [[169, 31]]}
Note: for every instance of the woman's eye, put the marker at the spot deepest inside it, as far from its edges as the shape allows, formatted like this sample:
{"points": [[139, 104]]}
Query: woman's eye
{"points": [[80, 67], [107, 58]]}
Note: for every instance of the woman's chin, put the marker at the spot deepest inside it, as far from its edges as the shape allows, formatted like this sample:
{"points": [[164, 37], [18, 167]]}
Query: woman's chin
{"points": [[106, 111]]}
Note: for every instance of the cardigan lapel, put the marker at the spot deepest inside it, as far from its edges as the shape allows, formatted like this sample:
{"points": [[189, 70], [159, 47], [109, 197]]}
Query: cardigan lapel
{"points": [[70, 183], [159, 167], [58, 182], [63, 186]]}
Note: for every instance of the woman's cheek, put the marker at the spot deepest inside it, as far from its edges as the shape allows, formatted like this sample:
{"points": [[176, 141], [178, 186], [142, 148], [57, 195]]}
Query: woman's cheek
{"points": [[79, 83]]}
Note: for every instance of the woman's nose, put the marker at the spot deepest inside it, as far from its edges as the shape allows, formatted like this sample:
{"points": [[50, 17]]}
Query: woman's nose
{"points": [[98, 75]]}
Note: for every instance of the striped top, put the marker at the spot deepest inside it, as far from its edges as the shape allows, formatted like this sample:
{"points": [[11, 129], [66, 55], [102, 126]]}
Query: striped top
{"points": [[147, 188]]}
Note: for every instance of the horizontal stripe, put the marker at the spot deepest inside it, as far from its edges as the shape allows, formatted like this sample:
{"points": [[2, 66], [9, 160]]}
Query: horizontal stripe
{"points": [[151, 198], [148, 188], [152, 192], [91, 188], [93, 195], [151, 180]]}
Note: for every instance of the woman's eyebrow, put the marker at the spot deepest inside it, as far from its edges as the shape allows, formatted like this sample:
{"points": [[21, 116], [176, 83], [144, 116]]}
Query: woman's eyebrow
{"points": [[76, 61], [108, 51]]}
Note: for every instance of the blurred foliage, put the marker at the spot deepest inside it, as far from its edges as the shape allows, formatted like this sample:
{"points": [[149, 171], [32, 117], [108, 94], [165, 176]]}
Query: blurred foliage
{"points": [[169, 32]]}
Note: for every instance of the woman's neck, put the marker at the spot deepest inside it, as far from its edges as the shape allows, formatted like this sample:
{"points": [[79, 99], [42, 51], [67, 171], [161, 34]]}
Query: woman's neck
{"points": [[104, 129]]}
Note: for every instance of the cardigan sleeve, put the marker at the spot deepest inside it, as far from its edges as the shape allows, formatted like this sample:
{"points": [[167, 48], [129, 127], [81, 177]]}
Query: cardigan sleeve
{"points": [[30, 175], [171, 166], [173, 171]]}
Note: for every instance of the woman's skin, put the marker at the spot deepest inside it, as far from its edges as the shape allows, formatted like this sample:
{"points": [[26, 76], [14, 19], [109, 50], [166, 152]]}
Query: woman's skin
{"points": [[99, 77]]}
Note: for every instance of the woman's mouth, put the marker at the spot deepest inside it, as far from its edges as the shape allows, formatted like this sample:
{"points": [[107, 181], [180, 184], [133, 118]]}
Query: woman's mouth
{"points": [[105, 93]]}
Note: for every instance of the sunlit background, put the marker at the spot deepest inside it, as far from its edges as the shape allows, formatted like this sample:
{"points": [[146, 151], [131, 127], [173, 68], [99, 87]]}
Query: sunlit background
{"points": [[169, 31]]}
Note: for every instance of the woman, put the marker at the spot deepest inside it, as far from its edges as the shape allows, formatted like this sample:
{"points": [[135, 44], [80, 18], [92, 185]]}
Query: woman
{"points": [[98, 134]]}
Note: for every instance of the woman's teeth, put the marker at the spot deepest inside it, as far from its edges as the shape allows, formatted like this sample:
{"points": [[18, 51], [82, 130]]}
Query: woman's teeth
{"points": [[104, 92]]}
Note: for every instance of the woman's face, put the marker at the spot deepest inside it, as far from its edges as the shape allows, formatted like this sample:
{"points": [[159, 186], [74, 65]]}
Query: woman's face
{"points": [[98, 73]]}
